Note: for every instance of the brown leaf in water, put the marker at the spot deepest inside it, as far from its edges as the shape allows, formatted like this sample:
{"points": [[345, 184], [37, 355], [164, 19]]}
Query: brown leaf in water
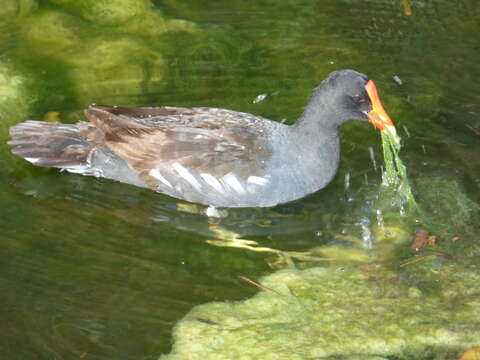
{"points": [[471, 354], [422, 238], [432, 240], [407, 9]]}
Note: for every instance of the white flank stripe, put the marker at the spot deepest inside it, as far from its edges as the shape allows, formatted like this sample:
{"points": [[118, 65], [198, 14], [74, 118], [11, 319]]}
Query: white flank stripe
{"points": [[213, 182], [156, 174], [183, 172], [77, 169], [257, 180], [233, 182], [32, 160]]}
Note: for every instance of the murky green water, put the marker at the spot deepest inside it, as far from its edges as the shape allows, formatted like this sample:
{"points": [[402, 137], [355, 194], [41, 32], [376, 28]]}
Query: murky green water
{"points": [[99, 270]]}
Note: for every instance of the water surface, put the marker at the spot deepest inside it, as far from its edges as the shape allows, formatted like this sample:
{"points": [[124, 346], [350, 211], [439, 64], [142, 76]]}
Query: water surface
{"points": [[96, 269]]}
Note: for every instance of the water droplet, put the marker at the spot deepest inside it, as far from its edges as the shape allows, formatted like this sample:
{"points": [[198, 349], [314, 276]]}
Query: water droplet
{"points": [[366, 179], [367, 236], [380, 221], [260, 97], [372, 157], [397, 79], [347, 181]]}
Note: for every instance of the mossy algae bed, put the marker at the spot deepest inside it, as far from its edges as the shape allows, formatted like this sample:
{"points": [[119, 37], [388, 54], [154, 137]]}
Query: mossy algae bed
{"points": [[341, 313]]}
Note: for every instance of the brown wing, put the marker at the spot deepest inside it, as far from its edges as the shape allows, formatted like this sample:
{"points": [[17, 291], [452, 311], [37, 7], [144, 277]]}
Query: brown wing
{"points": [[167, 145]]}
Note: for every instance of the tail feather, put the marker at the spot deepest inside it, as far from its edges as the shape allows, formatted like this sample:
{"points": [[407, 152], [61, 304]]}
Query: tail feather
{"points": [[51, 145]]}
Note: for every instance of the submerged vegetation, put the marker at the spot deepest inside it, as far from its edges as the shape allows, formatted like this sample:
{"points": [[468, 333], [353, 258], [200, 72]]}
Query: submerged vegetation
{"points": [[340, 313], [395, 174]]}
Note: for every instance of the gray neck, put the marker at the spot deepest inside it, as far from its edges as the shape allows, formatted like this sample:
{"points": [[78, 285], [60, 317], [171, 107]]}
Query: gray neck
{"points": [[316, 137], [312, 126], [320, 116]]}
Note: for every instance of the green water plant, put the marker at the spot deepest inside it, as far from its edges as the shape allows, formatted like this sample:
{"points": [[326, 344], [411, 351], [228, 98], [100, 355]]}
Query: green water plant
{"points": [[105, 12], [395, 172], [12, 10], [339, 313]]}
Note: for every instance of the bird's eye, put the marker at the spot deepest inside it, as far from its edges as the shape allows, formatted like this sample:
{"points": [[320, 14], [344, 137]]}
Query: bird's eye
{"points": [[358, 99]]}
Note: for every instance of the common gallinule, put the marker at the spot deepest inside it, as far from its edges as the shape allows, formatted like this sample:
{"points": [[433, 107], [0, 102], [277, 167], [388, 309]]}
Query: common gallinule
{"points": [[204, 155]]}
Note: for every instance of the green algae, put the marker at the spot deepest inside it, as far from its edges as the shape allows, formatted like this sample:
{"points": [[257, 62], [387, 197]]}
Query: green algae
{"points": [[106, 12], [154, 23], [446, 209], [106, 65], [122, 60], [342, 313], [395, 173], [50, 33], [15, 97], [12, 10]]}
